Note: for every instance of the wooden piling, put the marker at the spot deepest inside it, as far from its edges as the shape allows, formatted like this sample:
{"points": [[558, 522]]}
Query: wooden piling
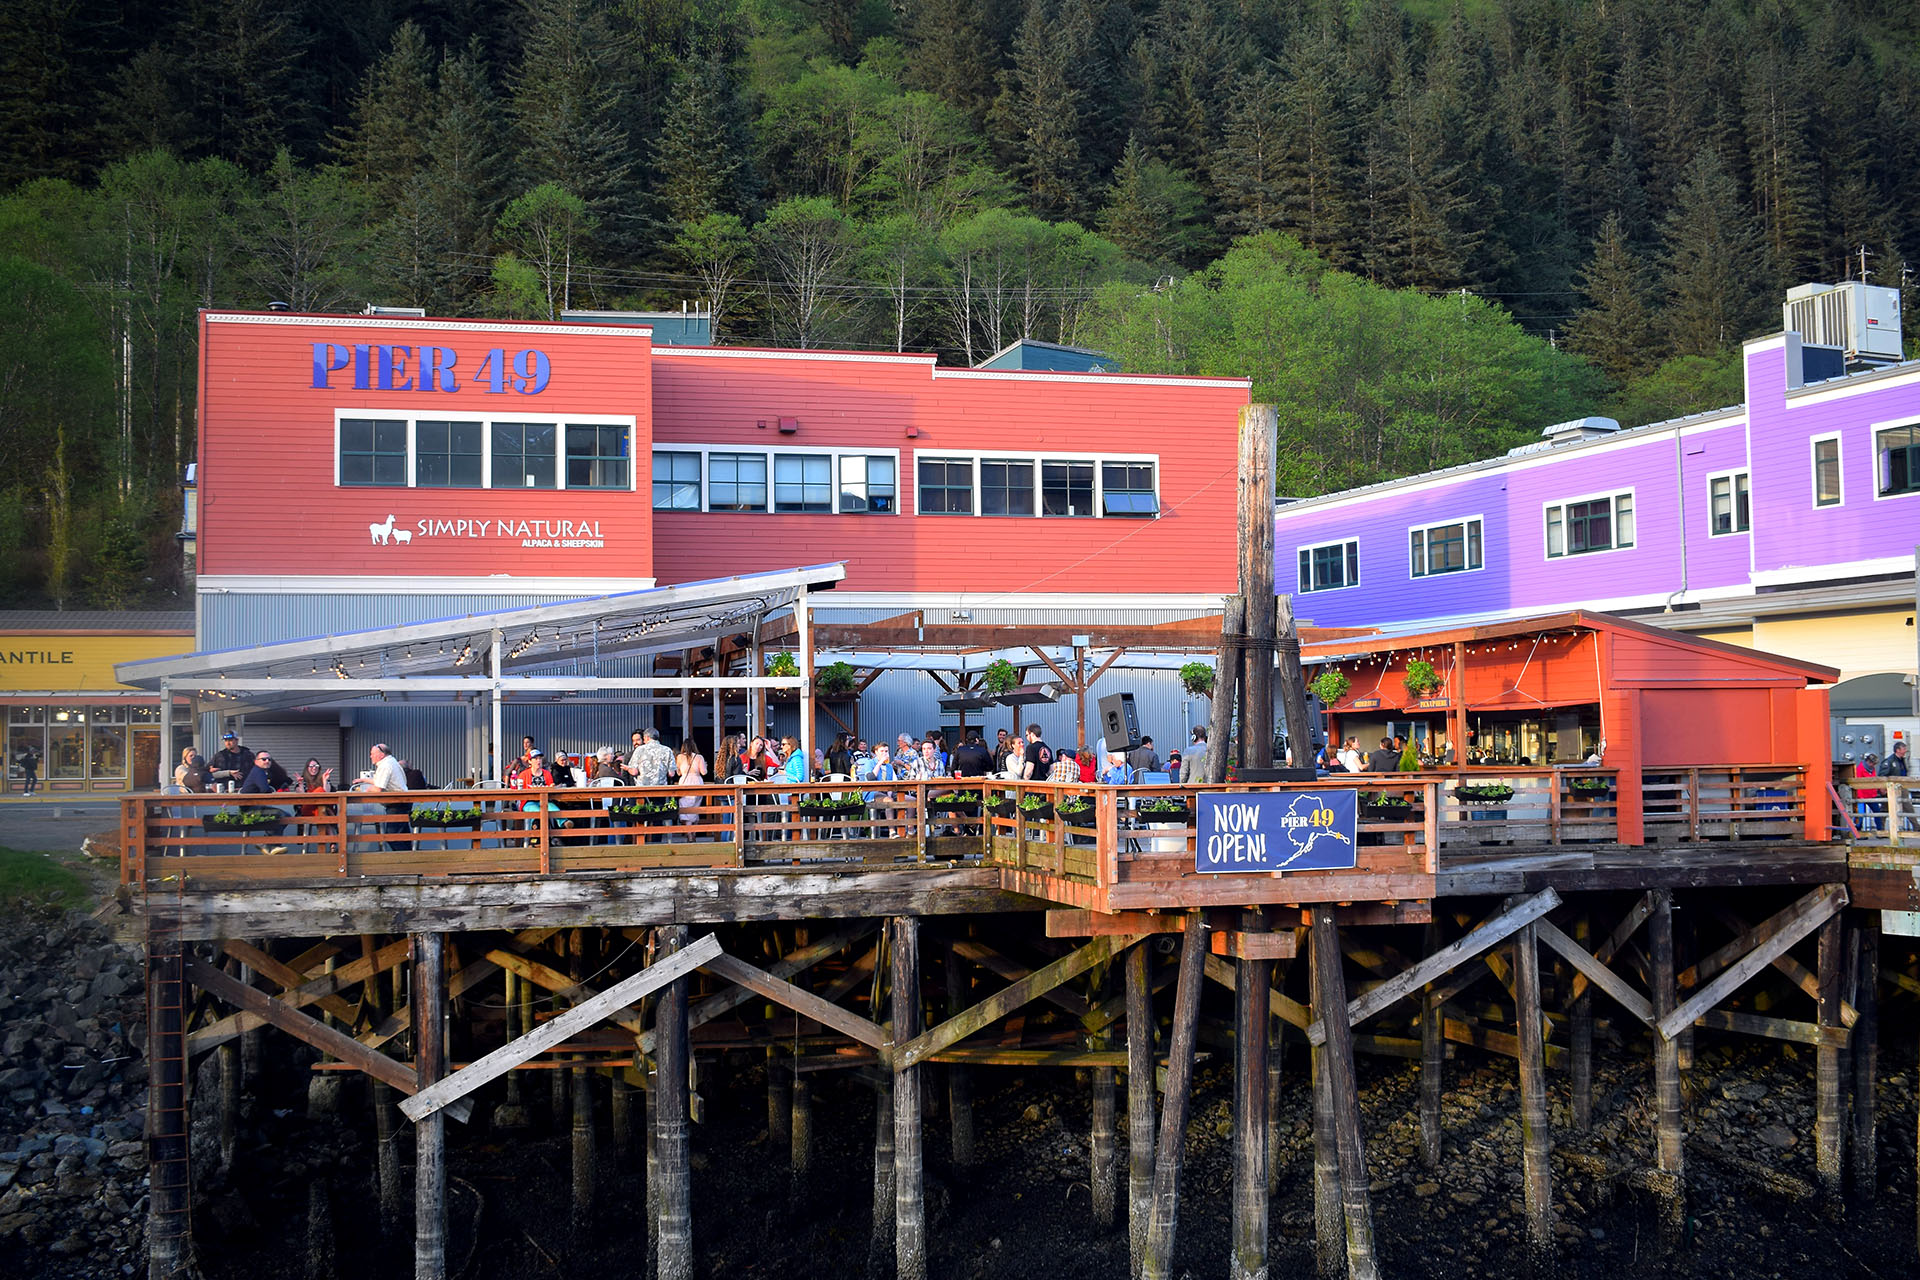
{"points": [[321, 1263], [1329, 1233], [1829, 1116], [169, 1243], [1170, 1149], [1140, 1058], [909, 1204], [1580, 1042], [585, 1155], [1536, 1138], [1432, 1061], [1669, 1136], [1252, 1015], [1233, 624], [959, 1080], [1866, 1055], [800, 1149], [779, 1098], [1102, 1177], [429, 1001], [880, 1239], [1259, 427], [620, 1120], [670, 1118], [1276, 1068], [1330, 1002]]}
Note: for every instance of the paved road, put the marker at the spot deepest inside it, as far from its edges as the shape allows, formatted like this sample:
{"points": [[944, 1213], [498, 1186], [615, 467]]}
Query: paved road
{"points": [[55, 826]]}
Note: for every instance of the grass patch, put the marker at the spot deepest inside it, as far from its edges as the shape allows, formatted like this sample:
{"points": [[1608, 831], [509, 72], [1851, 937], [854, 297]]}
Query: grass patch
{"points": [[32, 881]]}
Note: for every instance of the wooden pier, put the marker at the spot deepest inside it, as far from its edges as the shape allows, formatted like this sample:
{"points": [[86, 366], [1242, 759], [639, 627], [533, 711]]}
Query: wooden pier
{"points": [[845, 923]]}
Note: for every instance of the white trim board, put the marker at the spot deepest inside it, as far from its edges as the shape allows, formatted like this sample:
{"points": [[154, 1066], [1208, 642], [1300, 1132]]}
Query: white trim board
{"points": [[408, 584], [308, 320]]}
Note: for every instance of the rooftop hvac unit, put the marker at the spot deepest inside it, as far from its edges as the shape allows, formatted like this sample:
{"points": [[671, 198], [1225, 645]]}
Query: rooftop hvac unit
{"points": [[1861, 320]]}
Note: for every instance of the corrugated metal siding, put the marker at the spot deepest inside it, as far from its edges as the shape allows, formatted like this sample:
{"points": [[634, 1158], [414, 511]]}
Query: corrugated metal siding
{"points": [[907, 702], [238, 618]]}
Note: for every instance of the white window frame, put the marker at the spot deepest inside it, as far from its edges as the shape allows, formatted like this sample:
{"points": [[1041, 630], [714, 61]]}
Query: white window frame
{"points": [[1038, 459], [767, 452], [700, 498], [1873, 441], [1839, 468], [1311, 547], [1612, 497], [485, 422], [1733, 477], [1431, 525]]}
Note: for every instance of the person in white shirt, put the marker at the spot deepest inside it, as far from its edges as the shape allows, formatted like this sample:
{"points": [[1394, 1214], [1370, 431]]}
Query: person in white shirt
{"points": [[387, 776], [1350, 756]]}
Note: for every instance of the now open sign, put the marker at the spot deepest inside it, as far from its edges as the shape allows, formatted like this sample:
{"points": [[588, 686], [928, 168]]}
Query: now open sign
{"points": [[1242, 832]]}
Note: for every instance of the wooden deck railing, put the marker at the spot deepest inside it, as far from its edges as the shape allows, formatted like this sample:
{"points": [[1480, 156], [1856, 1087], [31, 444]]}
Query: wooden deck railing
{"points": [[1883, 810], [1098, 837]]}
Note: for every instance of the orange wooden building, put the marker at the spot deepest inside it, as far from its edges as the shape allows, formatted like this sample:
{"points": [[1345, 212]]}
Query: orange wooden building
{"points": [[1549, 692]]}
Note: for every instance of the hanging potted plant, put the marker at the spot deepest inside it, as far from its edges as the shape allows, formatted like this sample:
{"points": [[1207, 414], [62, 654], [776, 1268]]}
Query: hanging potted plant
{"points": [[1036, 808], [1330, 685], [1197, 677], [1000, 677], [782, 664], [1421, 679], [835, 678]]}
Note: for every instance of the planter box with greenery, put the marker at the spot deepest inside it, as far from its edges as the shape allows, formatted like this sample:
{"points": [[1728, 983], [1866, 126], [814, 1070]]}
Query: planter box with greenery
{"points": [[244, 822], [447, 817], [1483, 793], [1590, 788], [1164, 812], [1376, 807], [965, 804], [656, 810], [1077, 810], [822, 807], [1036, 809]]}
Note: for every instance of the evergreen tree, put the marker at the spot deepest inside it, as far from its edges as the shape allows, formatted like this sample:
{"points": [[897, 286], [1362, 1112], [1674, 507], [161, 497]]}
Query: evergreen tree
{"points": [[466, 158], [244, 70], [1246, 173], [569, 107], [1036, 119], [1713, 261], [1314, 178], [700, 151], [1152, 212], [1615, 328], [386, 146], [953, 54]]}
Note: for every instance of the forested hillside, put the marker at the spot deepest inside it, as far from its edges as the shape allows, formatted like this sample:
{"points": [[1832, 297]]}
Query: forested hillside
{"points": [[1487, 215]]}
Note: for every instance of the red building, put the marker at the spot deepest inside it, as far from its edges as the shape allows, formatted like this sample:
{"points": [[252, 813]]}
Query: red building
{"points": [[384, 448]]}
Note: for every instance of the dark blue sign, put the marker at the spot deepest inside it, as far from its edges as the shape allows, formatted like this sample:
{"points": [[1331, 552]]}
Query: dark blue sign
{"points": [[382, 366], [1275, 831]]}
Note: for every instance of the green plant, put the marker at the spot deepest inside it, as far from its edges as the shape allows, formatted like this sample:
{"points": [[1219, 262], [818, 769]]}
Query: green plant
{"points": [[1380, 800], [1164, 805], [1198, 679], [828, 803], [835, 677], [32, 881], [1330, 686], [962, 797], [782, 664], [242, 818], [1590, 786], [1075, 806], [447, 815], [1034, 803], [653, 808], [1000, 677], [1421, 679], [1483, 791]]}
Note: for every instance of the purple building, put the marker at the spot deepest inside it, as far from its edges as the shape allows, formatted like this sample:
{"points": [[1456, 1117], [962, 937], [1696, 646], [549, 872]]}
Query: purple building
{"points": [[1788, 524]]}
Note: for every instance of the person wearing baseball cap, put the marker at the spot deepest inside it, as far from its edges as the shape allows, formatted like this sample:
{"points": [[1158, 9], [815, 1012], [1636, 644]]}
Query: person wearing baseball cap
{"points": [[230, 764]]}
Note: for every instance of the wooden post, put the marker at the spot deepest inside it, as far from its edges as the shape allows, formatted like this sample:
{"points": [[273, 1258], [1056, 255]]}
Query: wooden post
{"points": [[909, 1204], [1670, 1137], [1252, 1016], [1276, 1065], [1293, 686], [620, 1120], [1580, 1033], [1259, 428], [321, 1254], [670, 1042], [779, 1098], [1866, 1054], [429, 1002], [1330, 1002], [1233, 623], [1829, 1117], [1536, 1138], [1101, 1175], [585, 1156], [959, 1081], [1432, 1060], [1140, 1058], [169, 1242], [880, 1241], [800, 1149], [1170, 1153], [1329, 1236]]}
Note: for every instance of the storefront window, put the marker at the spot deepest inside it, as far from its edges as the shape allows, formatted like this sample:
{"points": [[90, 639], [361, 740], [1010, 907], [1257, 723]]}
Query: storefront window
{"points": [[66, 744], [143, 715], [108, 751], [19, 738]]}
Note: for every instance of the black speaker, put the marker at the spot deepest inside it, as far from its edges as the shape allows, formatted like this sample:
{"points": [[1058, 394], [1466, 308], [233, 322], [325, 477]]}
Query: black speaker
{"points": [[1119, 722]]}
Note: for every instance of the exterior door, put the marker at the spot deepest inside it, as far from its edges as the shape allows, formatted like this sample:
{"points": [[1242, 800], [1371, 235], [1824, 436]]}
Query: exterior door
{"points": [[146, 759]]}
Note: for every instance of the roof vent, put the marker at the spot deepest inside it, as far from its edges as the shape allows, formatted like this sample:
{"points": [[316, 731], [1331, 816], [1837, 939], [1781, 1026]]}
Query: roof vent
{"points": [[414, 313], [1579, 429]]}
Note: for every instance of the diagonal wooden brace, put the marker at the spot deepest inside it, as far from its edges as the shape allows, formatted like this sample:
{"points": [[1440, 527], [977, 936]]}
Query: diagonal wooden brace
{"points": [[800, 1000], [999, 1005], [1489, 934], [1604, 978], [556, 1030], [347, 975], [310, 1029], [732, 998], [1289, 1011], [1776, 934]]}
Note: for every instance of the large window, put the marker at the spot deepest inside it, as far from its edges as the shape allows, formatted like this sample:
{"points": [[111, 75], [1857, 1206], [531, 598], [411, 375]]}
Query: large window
{"points": [[1826, 472], [1127, 489], [1729, 505], [866, 482], [1899, 450], [597, 457], [373, 451], [446, 454], [737, 482], [946, 486], [802, 482], [1592, 524], [1330, 566], [1066, 488], [676, 481], [524, 455], [1006, 488], [1454, 547]]}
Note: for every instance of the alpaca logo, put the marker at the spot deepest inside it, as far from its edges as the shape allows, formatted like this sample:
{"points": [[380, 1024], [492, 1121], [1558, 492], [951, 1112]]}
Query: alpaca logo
{"points": [[386, 534]]}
